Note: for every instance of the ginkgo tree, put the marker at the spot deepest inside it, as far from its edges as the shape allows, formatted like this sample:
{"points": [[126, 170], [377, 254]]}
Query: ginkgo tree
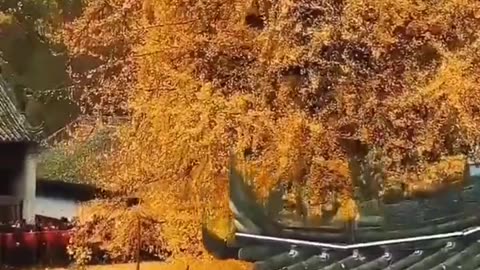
{"points": [[294, 88]]}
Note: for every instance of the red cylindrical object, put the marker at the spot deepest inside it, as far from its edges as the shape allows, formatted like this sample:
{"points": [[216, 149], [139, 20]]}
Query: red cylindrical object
{"points": [[13, 253], [65, 236], [31, 240], [56, 248], [27, 250], [52, 238], [9, 240]]}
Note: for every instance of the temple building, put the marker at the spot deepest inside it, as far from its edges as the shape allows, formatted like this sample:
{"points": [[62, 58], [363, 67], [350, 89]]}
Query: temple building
{"points": [[17, 162], [438, 231]]}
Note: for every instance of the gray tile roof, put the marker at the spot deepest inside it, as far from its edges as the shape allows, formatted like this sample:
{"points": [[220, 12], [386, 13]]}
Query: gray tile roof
{"points": [[452, 254], [13, 125], [440, 232]]}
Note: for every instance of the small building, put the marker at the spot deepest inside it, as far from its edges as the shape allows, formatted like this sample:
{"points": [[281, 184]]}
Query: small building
{"points": [[17, 162]]}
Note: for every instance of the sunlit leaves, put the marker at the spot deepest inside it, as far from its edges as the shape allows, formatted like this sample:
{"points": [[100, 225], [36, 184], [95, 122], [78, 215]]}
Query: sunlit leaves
{"points": [[283, 85]]}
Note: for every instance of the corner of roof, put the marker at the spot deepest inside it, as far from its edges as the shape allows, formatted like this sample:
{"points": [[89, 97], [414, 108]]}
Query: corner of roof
{"points": [[14, 126]]}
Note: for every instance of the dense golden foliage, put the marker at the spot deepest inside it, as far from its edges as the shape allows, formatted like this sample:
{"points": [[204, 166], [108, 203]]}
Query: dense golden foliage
{"points": [[101, 46], [283, 84]]}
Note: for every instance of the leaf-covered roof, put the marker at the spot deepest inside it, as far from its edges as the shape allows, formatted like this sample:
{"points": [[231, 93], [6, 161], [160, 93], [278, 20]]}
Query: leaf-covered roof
{"points": [[13, 125], [439, 232]]}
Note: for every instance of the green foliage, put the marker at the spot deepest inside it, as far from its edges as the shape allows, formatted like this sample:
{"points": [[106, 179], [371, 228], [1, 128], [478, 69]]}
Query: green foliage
{"points": [[32, 62], [66, 160]]}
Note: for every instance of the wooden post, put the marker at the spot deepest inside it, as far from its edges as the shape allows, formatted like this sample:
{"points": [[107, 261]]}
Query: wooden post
{"points": [[139, 242]]}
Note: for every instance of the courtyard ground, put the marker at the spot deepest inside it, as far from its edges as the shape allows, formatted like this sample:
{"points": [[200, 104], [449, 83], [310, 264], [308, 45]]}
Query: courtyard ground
{"points": [[177, 265]]}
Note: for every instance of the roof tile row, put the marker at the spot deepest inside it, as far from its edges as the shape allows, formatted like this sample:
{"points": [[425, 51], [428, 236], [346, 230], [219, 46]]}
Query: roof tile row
{"points": [[454, 254], [13, 125]]}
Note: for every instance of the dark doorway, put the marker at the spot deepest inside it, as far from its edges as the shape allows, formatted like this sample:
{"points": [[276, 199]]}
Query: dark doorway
{"points": [[12, 156], [7, 181]]}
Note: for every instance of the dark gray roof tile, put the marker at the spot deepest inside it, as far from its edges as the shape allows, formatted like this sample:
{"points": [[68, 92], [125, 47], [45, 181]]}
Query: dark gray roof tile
{"points": [[446, 235], [13, 125], [460, 254]]}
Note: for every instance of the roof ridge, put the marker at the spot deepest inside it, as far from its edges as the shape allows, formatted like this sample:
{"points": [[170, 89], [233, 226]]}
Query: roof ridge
{"points": [[340, 246]]}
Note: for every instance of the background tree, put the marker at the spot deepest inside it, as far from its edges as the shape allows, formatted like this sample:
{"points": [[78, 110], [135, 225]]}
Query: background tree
{"points": [[33, 63], [294, 88], [70, 159]]}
